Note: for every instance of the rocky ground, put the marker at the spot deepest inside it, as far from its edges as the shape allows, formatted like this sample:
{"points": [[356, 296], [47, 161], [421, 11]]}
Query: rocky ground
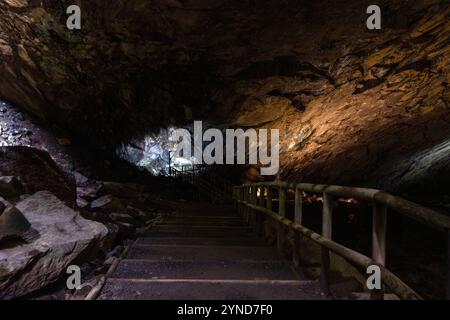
{"points": [[41, 234]]}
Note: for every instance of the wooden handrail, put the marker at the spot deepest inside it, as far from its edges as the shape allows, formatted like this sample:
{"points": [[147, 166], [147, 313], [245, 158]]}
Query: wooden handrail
{"points": [[355, 258], [398, 204], [380, 200]]}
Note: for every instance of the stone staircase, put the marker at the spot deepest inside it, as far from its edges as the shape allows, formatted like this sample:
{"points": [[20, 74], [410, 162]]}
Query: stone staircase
{"points": [[206, 252]]}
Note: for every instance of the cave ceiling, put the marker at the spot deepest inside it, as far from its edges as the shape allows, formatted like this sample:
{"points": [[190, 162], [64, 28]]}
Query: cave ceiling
{"points": [[348, 101]]}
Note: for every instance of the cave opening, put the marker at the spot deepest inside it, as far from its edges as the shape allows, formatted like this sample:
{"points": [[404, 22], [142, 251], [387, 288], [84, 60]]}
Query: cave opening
{"points": [[154, 153]]}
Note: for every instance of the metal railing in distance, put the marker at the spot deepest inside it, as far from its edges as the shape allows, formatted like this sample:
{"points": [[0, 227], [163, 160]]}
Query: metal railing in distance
{"points": [[258, 197], [207, 182]]}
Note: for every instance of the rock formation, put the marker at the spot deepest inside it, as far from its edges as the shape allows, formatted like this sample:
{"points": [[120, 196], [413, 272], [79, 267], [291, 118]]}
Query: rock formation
{"points": [[37, 172], [347, 100], [63, 238]]}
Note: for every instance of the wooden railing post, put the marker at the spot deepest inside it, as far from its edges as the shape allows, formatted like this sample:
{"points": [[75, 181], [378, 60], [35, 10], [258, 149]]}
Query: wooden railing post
{"points": [[237, 193], [254, 201], [327, 222], [255, 196], [378, 242], [379, 234], [297, 219], [282, 202], [259, 218], [242, 210], [261, 196], [249, 200], [282, 213], [269, 199], [268, 205], [245, 208], [236, 198]]}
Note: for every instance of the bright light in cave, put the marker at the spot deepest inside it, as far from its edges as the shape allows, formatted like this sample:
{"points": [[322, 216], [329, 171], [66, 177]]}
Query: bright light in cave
{"points": [[155, 153], [182, 162]]}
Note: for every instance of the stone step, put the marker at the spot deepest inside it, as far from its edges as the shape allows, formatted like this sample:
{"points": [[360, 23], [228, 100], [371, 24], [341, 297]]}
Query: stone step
{"points": [[231, 270], [195, 289], [206, 213], [203, 253], [198, 231], [210, 217], [197, 228], [206, 210], [204, 221], [198, 234], [206, 206], [199, 223], [231, 241]]}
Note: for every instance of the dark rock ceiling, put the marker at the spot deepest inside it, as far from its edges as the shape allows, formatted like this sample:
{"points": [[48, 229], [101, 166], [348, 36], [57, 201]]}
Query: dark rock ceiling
{"points": [[348, 101]]}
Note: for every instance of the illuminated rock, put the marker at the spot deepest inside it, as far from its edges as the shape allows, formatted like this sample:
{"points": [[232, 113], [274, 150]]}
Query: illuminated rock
{"points": [[63, 236]]}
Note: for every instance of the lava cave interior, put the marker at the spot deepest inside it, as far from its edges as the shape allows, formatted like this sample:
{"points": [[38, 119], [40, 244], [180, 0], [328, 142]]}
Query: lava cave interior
{"points": [[87, 119]]}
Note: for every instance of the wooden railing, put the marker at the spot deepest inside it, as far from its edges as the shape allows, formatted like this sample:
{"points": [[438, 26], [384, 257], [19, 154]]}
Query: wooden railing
{"points": [[252, 199]]}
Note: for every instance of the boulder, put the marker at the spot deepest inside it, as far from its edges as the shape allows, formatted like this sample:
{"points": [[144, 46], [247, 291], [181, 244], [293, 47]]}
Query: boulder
{"points": [[14, 219], [126, 230], [13, 225], [89, 191], [80, 179], [107, 203], [110, 240], [64, 238], [122, 190], [81, 203], [10, 187], [3, 204], [122, 217], [137, 213], [37, 171]]}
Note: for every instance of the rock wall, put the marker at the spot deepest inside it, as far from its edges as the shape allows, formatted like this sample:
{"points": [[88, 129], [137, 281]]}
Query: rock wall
{"points": [[348, 101], [37, 171], [133, 66], [353, 105]]}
